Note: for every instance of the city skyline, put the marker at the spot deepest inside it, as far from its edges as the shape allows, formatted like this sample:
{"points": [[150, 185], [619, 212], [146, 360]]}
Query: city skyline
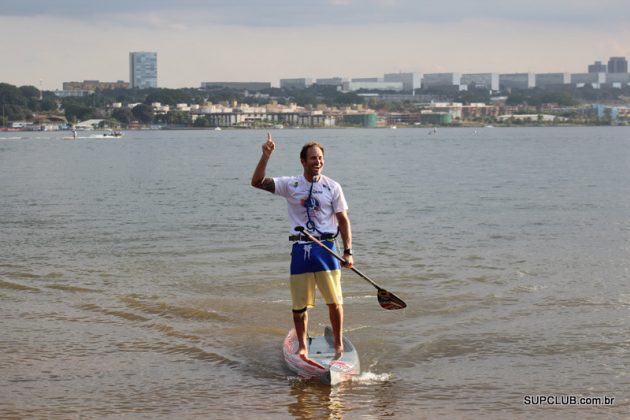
{"points": [[54, 42]]}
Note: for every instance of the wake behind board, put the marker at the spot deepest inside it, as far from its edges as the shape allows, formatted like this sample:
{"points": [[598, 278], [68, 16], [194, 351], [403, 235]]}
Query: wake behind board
{"points": [[321, 350]]}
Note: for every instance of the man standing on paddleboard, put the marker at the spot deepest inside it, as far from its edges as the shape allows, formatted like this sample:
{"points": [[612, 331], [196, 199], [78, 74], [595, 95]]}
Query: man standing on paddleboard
{"points": [[317, 203]]}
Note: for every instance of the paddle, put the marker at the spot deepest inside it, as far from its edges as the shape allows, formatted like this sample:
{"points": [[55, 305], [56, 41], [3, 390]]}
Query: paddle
{"points": [[386, 299]]}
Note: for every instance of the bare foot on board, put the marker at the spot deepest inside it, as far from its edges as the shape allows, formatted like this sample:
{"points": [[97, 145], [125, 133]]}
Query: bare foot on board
{"points": [[303, 354], [338, 352]]}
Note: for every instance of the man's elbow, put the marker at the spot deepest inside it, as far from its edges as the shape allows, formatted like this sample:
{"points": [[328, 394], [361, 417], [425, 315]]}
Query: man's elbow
{"points": [[265, 184]]}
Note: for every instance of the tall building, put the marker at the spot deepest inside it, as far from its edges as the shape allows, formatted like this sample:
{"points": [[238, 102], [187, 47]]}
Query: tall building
{"points": [[618, 80], [331, 81], [552, 79], [353, 86], [488, 81], [617, 65], [366, 79], [517, 81], [593, 79], [597, 67], [410, 81], [441, 80], [143, 70], [252, 86], [300, 83]]}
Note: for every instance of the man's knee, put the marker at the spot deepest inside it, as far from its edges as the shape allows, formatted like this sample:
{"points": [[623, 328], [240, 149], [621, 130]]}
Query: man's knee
{"points": [[299, 313]]}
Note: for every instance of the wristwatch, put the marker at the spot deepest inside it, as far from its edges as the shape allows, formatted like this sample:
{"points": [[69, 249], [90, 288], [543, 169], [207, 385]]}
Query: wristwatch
{"points": [[347, 251]]}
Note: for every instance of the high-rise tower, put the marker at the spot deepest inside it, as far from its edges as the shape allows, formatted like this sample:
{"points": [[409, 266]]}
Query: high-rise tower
{"points": [[617, 65], [597, 67], [143, 70]]}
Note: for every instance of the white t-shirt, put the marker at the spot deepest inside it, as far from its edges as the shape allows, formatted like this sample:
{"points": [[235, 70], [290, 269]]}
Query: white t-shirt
{"points": [[326, 199]]}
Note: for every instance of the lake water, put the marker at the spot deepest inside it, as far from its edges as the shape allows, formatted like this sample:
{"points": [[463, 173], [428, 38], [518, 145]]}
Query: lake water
{"points": [[143, 277]]}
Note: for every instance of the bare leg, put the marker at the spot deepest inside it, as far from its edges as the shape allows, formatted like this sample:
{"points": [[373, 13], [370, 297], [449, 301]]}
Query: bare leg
{"points": [[301, 328], [300, 320], [336, 321]]}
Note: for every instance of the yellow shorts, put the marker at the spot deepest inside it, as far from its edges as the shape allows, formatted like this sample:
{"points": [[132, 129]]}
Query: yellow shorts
{"points": [[303, 288]]}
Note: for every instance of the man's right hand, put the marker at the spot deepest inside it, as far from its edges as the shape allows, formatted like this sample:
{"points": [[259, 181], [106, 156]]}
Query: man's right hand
{"points": [[269, 146], [258, 178]]}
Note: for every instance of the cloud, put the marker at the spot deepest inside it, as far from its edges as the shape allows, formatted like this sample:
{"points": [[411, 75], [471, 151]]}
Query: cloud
{"points": [[287, 13], [245, 40], [340, 2]]}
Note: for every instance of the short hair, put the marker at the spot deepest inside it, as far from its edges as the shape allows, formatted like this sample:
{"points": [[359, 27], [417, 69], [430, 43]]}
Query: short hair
{"points": [[307, 146]]}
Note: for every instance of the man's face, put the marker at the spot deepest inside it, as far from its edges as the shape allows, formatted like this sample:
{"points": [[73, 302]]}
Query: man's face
{"points": [[314, 163]]}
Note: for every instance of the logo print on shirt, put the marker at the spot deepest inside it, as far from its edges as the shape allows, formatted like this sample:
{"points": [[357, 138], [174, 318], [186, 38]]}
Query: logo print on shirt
{"points": [[312, 204]]}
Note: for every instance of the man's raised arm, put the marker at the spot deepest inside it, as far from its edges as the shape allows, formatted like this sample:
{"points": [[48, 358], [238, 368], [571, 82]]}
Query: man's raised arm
{"points": [[258, 178]]}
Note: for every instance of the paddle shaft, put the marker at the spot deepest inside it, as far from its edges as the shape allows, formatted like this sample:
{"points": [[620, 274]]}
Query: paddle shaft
{"points": [[334, 254]]}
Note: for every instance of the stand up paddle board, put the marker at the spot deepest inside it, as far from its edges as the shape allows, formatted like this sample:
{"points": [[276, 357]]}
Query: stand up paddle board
{"points": [[321, 352]]}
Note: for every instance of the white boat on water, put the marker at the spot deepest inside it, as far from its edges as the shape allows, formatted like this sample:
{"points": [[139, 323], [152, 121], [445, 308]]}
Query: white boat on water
{"points": [[107, 135]]}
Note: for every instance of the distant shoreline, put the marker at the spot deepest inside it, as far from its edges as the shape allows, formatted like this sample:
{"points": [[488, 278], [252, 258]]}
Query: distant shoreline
{"points": [[425, 127]]}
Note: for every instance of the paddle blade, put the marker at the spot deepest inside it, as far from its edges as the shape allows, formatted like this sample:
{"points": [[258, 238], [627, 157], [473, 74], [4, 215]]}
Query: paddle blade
{"points": [[390, 301]]}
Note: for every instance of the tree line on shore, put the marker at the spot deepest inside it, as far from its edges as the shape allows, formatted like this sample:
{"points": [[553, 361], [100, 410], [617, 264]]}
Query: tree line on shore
{"points": [[26, 103]]}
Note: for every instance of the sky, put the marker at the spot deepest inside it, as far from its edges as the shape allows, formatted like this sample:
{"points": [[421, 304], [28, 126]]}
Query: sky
{"points": [[45, 42]]}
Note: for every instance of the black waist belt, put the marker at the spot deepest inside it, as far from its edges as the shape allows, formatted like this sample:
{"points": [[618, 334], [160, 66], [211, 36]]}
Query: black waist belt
{"points": [[324, 237]]}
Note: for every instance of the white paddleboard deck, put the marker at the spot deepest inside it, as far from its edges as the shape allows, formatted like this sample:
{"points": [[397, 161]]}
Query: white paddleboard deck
{"points": [[321, 350]]}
